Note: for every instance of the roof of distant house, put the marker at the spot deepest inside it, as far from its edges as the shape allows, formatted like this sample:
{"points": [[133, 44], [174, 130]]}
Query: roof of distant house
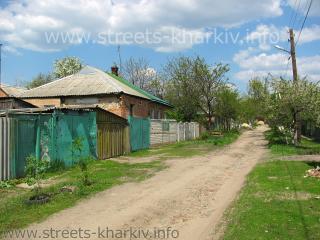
{"points": [[12, 91]]}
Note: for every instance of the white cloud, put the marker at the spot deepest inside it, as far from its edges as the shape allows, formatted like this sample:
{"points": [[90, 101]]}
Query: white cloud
{"points": [[23, 23], [268, 35], [276, 64]]}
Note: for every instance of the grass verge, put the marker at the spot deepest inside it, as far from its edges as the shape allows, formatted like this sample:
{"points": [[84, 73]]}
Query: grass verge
{"points": [[15, 214], [307, 147], [277, 203], [188, 148]]}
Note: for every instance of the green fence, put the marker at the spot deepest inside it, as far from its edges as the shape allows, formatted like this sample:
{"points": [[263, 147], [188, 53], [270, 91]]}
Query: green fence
{"points": [[139, 133], [52, 137]]}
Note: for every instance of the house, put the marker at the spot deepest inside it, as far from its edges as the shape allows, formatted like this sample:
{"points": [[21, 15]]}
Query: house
{"points": [[93, 86], [9, 100]]}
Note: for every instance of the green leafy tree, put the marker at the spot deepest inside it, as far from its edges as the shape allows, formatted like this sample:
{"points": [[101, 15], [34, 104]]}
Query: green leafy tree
{"points": [[192, 86], [208, 82], [292, 102], [258, 95], [227, 107], [67, 66], [180, 89], [39, 80]]}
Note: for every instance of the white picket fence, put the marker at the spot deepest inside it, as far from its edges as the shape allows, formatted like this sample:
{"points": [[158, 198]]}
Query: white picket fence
{"points": [[170, 131], [6, 126]]}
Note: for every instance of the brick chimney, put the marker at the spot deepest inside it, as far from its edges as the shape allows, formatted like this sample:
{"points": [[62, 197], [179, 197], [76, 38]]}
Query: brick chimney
{"points": [[115, 70]]}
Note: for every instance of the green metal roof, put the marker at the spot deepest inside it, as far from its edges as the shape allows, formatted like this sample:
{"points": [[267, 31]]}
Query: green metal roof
{"points": [[145, 93]]}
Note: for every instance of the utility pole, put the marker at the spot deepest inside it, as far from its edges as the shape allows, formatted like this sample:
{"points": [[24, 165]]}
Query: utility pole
{"points": [[297, 132], [293, 56]]}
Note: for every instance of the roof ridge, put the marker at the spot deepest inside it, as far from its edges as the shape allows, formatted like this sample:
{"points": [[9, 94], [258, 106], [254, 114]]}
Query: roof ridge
{"points": [[140, 90]]}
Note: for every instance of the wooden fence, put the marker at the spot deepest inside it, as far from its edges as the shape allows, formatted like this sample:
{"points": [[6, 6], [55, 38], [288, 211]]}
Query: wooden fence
{"points": [[6, 152], [113, 135], [170, 131]]}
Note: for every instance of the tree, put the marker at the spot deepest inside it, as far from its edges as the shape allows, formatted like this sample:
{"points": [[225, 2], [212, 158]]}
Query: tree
{"points": [[67, 66], [209, 81], [291, 99], [39, 80], [180, 89], [192, 87], [227, 107], [138, 72], [258, 97]]}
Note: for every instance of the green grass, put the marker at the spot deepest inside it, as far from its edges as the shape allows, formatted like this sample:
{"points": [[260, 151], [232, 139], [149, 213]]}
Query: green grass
{"points": [[277, 203], [307, 146], [188, 148], [14, 213]]}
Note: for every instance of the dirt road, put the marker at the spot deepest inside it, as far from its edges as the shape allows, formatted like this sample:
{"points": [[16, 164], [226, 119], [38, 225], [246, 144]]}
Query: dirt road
{"points": [[190, 196]]}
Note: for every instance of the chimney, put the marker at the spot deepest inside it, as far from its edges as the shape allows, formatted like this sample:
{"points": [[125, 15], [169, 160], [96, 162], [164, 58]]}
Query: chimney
{"points": [[115, 70]]}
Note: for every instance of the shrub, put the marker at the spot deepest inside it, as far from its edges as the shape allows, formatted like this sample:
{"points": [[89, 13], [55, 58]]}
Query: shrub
{"points": [[35, 170]]}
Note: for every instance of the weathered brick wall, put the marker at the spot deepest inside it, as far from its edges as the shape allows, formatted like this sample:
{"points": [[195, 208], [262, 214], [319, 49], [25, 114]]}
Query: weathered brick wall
{"points": [[2, 93], [42, 102], [118, 105], [142, 107]]}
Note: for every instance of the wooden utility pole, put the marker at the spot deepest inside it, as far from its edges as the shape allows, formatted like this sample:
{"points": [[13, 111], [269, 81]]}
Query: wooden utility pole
{"points": [[293, 56], [297, 119]]}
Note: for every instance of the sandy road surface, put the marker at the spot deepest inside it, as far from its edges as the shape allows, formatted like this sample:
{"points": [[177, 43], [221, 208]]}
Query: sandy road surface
{"points": [[190, 196]]}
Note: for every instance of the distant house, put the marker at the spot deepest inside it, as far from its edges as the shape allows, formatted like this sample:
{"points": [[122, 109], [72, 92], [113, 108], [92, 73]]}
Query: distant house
{"points": [[92, 86], [9, 100]]}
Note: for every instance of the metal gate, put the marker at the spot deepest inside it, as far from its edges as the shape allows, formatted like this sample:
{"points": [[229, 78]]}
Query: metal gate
{"points": [[7, 163], [139, 133]]}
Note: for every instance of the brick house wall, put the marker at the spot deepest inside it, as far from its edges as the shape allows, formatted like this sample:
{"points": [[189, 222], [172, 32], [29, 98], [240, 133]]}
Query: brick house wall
{"points": [[2, 94], [44, 102], [122, 105]]}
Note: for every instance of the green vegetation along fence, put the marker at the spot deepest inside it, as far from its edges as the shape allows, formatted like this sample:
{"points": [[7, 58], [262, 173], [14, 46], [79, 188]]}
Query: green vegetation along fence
{"points": [[139, 133], [61, 137]]}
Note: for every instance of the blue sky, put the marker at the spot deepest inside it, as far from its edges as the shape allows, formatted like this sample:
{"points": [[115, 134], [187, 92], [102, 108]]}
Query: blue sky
{"points": [[24, 25]]}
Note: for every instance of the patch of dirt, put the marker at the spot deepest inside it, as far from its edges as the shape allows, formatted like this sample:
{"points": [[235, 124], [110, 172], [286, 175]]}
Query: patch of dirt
{"points": [[295, 196], [303, 158], [190, 195]]}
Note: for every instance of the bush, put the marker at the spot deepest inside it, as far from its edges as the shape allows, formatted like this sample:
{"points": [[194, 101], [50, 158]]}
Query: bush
{"points": [[205, 136], [35, 170], [278, 136]]}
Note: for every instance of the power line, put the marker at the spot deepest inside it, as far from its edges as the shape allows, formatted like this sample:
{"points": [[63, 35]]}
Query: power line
{"points": [[304, 22], [292, 13], [296, 15]]}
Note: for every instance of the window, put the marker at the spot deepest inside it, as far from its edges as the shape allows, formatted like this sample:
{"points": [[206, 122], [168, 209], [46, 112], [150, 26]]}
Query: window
{"points": [[165, 126]]}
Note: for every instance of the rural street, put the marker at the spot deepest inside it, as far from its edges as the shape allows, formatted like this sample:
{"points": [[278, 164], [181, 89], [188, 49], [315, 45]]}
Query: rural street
{"points": [[190, 195]]}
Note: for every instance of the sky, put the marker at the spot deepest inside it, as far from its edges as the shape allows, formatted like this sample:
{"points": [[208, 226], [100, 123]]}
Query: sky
{"points": [[241, 33]]}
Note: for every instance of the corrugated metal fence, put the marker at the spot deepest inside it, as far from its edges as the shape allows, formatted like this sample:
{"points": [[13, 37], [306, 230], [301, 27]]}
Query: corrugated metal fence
{"points": [[139, 133], [6, 139], [170, 131]]}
